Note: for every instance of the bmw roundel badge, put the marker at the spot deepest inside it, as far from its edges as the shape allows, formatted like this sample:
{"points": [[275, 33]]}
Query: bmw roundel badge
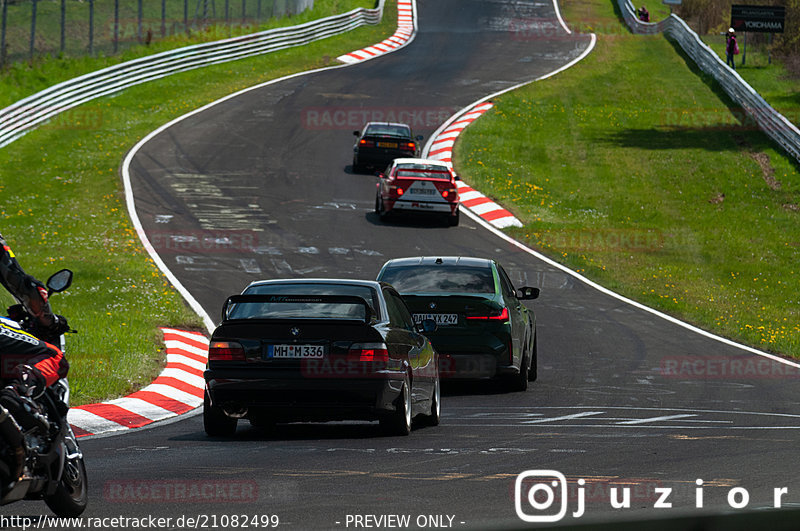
{"points": [[294, 331], [432, 306]]}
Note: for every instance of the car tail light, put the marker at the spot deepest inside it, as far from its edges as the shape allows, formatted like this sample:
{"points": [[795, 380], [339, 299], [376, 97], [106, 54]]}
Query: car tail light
{"points": [[450, 194], [225, 351], [368, 352], [395, 190], [410, 146], [366, 143], [494, 316]]}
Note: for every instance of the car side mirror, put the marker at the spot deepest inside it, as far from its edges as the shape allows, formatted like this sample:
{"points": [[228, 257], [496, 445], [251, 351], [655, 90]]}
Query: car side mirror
{"points": [[380, 175], [457, 177], [419, 137], [356, 133], [528, 293], [427, 326]]}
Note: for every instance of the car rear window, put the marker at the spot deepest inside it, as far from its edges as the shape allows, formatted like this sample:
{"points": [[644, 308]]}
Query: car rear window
{"points": [[432, 279], [306, 310], [388, 130], [430, 174]]}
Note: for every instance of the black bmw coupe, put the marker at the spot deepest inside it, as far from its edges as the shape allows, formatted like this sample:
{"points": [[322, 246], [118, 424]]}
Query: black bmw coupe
{"points": [[320, 350]]}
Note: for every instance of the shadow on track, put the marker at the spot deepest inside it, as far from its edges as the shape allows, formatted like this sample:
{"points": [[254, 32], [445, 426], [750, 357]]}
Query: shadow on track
{"points": [[309, 431]]}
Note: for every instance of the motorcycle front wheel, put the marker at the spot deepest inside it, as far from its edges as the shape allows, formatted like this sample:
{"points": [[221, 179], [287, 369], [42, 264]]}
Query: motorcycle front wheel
{"points": [[72, 493]]}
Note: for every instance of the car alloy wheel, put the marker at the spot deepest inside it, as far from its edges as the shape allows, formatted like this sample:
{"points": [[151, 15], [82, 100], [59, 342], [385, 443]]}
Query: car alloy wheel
{"points": [[398, 422], [434, 417]]}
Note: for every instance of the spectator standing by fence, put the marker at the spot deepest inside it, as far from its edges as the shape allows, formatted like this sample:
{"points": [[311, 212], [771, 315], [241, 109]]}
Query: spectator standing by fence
{"points": [[644, 14], [731, 48]]}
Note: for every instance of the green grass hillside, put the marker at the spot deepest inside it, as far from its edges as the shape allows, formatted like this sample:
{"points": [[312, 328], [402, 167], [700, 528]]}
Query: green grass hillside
{"points": [[634, 169]]}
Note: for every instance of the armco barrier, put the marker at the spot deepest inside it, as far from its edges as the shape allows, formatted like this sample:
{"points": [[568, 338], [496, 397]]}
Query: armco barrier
{"points": [[774, 124], [24, 115]]}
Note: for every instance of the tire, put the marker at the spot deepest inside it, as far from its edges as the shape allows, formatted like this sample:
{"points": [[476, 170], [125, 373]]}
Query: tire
{"points": [[381, 211], [398, 422], [532, 373], [453, 220], [357, 168], [215, 421], [378, 204], [69, 499], [519, 382], [434, 417]]}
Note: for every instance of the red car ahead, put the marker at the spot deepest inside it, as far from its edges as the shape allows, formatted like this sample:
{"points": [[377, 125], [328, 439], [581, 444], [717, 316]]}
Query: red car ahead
{"points": [[418, 185]]}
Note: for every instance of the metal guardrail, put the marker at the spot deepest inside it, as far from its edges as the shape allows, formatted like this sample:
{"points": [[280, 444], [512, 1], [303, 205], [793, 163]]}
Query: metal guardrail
{"points": [[773, 123], [24, 115]]}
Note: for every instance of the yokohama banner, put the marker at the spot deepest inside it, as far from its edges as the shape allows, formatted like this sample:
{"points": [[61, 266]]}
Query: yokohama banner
{"points": [[764, 19]]}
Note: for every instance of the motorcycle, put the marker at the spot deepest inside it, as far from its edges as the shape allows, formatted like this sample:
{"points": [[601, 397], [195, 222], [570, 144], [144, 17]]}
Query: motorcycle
{"points": [[39, 454]]}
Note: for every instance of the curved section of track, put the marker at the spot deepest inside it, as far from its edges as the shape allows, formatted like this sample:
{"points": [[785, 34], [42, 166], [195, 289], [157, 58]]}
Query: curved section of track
{"points": [[622, 395]]}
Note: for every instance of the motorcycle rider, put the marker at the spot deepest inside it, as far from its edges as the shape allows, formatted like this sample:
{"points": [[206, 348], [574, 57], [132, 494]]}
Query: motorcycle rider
{"points": [[32, 362]]}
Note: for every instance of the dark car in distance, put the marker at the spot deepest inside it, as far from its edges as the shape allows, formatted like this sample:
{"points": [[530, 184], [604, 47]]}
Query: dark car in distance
{"points": [[483, 329], [379, 143], [319, 350]]}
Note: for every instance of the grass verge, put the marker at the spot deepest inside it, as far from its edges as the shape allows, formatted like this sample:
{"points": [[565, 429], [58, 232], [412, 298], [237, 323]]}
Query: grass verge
{"points": [[62, 205], [632, 169]]}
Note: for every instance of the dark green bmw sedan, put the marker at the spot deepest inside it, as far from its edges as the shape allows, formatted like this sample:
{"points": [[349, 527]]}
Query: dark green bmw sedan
{"points": [[483, 328]]}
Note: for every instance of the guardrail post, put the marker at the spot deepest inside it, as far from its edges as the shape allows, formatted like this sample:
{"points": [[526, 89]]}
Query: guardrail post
{"points": [[244, 12], [91, 27], [63, 24], [139, 21], [33, 27], [3, 34], [163, 18], [744, 49], [186, 16], [116, 26]]}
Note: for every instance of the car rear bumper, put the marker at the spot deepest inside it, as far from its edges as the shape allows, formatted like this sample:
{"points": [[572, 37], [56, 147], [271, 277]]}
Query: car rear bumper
{"points": [[477, 356], [424, 206], [283, 395], [381, 158]]}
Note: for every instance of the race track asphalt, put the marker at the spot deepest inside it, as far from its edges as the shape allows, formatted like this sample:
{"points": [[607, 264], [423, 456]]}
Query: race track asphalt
{"points": [[270, 171]]}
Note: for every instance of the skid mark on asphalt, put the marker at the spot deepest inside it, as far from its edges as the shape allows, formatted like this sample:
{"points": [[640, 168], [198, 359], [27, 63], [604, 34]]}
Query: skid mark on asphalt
{"points": [[623, 417]]}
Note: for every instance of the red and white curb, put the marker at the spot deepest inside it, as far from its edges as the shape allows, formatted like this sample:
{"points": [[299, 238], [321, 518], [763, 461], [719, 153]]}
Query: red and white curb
{"points": [[405, 32], [177, 390], [441, 149]]}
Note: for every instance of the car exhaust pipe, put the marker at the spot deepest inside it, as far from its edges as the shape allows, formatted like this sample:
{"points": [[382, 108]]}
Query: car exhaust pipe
{"points": [[12, 435], [235, 411]]}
